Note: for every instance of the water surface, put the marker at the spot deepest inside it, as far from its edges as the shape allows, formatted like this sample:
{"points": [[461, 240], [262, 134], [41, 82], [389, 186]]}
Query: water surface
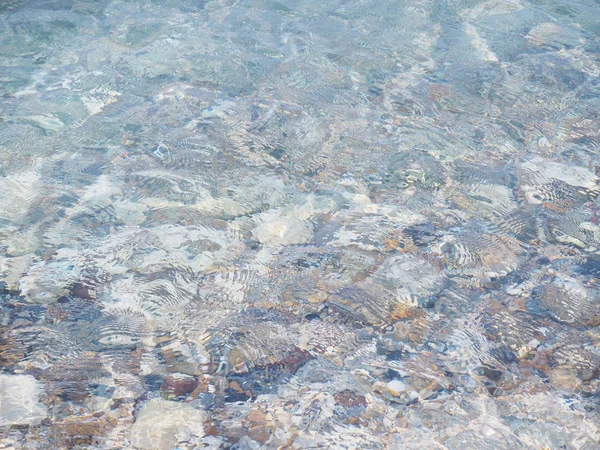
{"points": [[295, 224]]}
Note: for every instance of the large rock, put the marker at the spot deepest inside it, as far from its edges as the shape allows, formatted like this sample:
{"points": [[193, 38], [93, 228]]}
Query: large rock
{"points": [[163, 424], [19, 401]]}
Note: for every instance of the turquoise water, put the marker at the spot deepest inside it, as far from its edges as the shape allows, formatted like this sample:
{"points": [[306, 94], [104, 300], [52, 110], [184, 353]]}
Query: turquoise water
{"points": [[297, 224]]}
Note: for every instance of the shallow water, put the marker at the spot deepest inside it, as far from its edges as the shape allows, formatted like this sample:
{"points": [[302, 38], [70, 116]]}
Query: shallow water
{"points": [[297, 224]]}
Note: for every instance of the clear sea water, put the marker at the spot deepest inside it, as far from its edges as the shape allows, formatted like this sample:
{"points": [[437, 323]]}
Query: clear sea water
{"points": [[236, 224]]}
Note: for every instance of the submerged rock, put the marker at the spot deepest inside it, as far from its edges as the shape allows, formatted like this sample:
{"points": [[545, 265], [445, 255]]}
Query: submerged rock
{"points": [[164, 424], [20, 400]]}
